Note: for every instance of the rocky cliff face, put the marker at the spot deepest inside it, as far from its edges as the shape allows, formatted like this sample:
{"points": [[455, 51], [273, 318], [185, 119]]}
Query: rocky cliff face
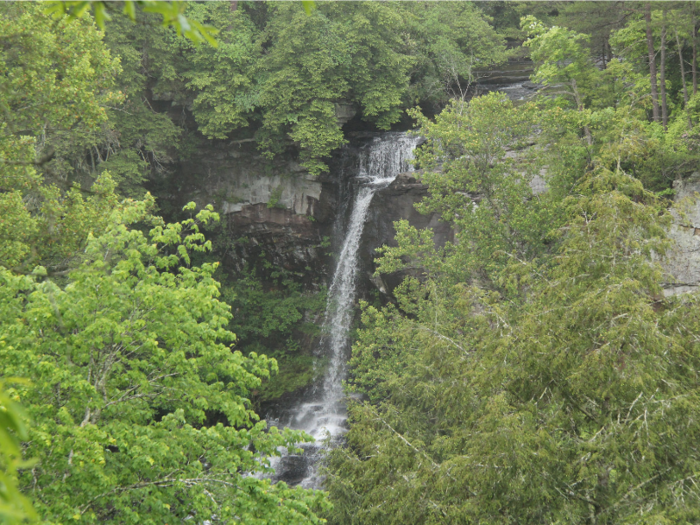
{"points": [[511, 78], [274, 209], [390, 205], [683, 260], [270, 208], [276, 217], [274, 214]]}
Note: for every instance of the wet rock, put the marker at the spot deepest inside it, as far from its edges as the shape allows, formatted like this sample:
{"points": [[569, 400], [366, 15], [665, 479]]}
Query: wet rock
{"points": [[289, 240], [397, 202], [294, 468]]}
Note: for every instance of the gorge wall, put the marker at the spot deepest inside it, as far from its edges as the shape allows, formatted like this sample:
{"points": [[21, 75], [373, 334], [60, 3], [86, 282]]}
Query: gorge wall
{"points": [[275, 209], [276, 219], [274, 214], [269, 208]]}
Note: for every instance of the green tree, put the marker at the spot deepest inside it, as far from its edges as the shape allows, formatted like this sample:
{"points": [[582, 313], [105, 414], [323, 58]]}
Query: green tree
{"points": [[533, 372], [14, 507], [342, 53], [562, 60], [141, 141], [56, 83], [479, 176], [276, 319], [290, 71], [613, 103], [172, 14], [577, 405], [379, 58], [140, 407], [451, 42]]}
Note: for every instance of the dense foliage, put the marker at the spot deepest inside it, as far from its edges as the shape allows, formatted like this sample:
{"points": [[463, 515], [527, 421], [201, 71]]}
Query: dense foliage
{"points": [[136, 397], [279, 75], [531, 371], [14, 506], [276, 316], [55, 85]]}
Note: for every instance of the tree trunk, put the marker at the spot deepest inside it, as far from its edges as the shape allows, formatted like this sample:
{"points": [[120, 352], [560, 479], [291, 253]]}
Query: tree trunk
{"points": [[694, 65], [662, 76], [579, 103], [685, 87], [652, 64], [605, 64]]}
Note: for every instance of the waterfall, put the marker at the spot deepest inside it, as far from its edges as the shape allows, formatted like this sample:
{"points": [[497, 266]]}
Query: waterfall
{"points": [[324, 414], [386, 158]]}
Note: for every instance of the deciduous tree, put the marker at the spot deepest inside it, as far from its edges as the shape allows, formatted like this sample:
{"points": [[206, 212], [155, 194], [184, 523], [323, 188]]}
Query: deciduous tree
{"points": [[140, 407]]}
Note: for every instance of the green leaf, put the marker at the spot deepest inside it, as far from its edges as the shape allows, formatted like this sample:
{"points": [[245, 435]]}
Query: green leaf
{"points": [[309, 6]]}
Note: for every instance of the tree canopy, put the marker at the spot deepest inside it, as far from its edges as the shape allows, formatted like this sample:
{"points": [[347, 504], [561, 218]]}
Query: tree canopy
{"points": [[534, 370], [135, 396]]}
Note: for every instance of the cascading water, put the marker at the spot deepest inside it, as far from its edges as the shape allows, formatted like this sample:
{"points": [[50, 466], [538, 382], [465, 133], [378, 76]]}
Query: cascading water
{"points": [[323, 413]]}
